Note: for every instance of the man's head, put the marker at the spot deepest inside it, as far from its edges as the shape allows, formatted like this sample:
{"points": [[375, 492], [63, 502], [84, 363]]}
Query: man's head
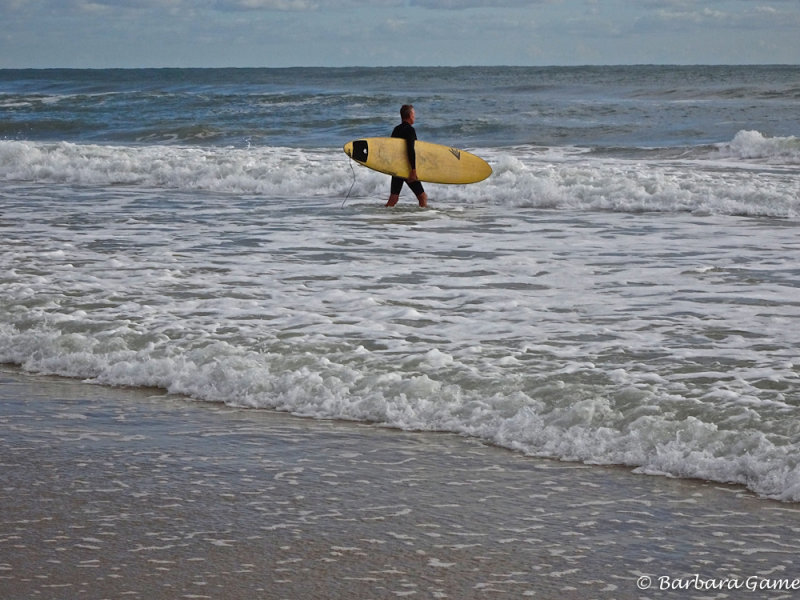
{"points": [[407, 113]]}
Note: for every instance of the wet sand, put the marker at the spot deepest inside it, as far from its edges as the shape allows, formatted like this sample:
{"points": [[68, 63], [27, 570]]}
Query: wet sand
{"points": [[131, 493]]}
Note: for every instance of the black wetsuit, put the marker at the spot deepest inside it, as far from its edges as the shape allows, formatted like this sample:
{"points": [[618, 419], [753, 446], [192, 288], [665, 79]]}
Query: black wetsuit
{"points": [[408, 133]]}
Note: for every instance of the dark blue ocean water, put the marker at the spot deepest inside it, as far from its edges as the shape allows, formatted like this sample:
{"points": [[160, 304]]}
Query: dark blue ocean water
{"points": [[644, 106]]}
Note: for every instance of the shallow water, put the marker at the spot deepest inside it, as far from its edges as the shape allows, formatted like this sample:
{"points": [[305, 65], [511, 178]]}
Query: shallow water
{"points": [[652, 340], [622, 289], [111, 492]]}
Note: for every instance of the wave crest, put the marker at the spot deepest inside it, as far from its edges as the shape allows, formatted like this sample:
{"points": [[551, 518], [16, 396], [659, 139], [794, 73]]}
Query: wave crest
{"points": [[752, 175], [753, 145]]}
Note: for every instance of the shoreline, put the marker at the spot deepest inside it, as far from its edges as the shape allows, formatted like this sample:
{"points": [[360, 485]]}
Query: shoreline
{"points": [[111, 492]]}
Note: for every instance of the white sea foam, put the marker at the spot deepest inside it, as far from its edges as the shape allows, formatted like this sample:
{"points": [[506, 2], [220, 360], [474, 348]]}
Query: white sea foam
{"points": [[662, 342], [603, 303], [271, 171], [754, 145], [523, 176]]}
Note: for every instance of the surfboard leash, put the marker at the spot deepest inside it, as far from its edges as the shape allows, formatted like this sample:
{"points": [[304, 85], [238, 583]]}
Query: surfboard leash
{"points": [[347, 197]]}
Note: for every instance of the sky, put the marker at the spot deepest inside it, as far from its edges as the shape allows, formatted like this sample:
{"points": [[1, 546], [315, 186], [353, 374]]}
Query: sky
{"points": [[334, 33]]}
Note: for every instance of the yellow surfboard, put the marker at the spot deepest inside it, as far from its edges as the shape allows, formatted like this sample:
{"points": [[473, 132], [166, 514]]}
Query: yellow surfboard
{"points": [[435, 163]]}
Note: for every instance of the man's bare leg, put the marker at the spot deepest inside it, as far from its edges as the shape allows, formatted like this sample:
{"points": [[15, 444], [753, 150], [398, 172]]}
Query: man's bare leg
{"points": [[393, 198], [423, 200]]}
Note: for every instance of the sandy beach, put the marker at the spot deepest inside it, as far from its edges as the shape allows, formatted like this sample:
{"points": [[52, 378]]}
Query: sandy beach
{"points": [[131, 493]]}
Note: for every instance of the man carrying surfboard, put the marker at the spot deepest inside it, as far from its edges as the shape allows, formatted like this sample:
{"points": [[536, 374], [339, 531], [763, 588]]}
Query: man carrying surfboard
{"points": [[406, 131]]}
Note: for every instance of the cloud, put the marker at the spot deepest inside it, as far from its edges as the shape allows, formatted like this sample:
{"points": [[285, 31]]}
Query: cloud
{"points": [[683, 16], [692, 16], [462, 4], [332, 5], [78, 7], [278, 5], [89, 6]]}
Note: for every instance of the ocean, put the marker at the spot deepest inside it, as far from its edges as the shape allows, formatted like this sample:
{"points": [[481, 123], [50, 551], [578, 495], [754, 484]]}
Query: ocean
{"points": [[623, 290]]}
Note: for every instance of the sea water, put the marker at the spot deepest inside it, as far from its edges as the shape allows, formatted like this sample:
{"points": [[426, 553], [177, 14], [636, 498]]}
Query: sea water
{"points": [[622, 290]]}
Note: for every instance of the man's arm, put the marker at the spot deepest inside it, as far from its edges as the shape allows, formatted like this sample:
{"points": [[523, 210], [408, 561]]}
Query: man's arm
{"points": [[411, 138]]}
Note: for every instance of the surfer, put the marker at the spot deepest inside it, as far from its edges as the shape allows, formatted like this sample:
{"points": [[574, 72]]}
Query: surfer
{"points": [[406, 131]]}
